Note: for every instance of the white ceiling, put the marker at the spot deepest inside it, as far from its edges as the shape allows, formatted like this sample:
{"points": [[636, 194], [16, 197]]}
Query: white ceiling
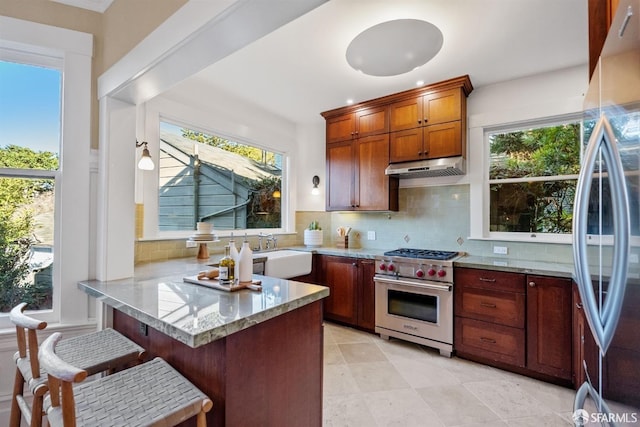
{"points": [[300, 69]]}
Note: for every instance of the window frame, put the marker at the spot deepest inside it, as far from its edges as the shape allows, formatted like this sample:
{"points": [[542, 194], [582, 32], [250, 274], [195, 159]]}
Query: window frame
{"points": [[44, 45], [148, 183], [485, 233]]}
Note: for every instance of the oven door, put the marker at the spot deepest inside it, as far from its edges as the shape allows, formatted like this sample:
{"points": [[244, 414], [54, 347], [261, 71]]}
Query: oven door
{"points": [[419, 308]]}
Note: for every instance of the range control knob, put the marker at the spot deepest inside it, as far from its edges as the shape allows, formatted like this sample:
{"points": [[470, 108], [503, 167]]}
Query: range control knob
{"points": [[442, 273], [420, 273], [391, 267], [382, 267], [431, 272]]}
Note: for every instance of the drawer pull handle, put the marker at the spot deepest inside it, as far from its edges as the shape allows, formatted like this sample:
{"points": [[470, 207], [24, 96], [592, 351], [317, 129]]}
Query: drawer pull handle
{"points": [[532, 284], [484, 279], [489, 340], [488, 304], [579, 305]]}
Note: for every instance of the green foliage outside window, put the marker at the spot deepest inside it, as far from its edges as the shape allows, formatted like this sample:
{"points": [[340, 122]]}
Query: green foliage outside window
{"points": [[17, 227], [526, 203]]}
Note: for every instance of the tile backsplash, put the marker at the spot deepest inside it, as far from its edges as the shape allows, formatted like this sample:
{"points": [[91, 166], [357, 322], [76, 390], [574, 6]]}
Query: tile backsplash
{"points": [[429, 217]]}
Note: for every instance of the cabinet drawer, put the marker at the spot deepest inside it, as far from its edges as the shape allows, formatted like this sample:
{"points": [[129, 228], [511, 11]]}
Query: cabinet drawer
{"points": [[488, 279], [505, 308], [495, 342]]}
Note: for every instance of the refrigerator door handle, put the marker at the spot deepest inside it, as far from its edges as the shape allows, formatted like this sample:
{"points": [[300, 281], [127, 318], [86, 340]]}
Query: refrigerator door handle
{"points": [[603, 322]]}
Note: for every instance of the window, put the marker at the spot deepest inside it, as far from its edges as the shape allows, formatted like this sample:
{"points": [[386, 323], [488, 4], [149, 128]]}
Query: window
{"points": [[46, 164], [209, 178], [28, 172], [532, 178]]}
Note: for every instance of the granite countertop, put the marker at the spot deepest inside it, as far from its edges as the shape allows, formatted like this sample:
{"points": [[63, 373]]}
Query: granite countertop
{"points": [[556, 269], [194, 314]]}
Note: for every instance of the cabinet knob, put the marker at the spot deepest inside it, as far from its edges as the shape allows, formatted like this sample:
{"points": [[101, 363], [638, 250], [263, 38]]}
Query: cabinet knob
{"points": [[532, 284], [419, 153], [355, 264], [579, 305], [424, 120], [419, 121]]}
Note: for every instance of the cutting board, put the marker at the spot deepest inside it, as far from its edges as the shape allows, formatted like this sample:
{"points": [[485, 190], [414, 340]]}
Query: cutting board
{"points": [[254, 285]]}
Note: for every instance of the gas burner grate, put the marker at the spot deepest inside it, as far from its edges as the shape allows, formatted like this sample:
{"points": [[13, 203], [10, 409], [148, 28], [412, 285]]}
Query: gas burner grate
{"points": [[422, 254]]}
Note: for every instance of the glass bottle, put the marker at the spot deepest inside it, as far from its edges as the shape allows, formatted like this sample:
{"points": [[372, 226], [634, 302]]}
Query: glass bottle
{"points": [[233, 251], [227, 267]]}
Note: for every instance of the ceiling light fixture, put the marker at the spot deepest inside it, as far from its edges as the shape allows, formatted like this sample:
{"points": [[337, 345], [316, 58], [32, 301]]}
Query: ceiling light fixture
{"points": [[394, 47], [145, 163]]}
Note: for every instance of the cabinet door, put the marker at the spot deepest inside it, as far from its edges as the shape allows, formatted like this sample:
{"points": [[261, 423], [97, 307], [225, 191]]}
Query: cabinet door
{"points": [[405, 114], [372, 121], [443, 140], [373, 189], [584, 346], [340, 176], [549, 305], [340, 275], [341, 128], [405, 145], [441, 107], [367, 295]]}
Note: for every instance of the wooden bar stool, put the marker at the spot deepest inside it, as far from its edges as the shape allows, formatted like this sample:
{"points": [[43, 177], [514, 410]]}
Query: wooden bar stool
{"points": [[150, 394], [96, 352]]}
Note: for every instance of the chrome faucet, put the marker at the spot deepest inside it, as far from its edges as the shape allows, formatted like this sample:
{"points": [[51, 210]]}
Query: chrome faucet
{"points": [[270, 239]]}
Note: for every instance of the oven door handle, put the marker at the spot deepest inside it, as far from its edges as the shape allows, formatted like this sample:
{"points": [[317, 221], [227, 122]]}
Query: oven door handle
{"points": [[426, 285]]}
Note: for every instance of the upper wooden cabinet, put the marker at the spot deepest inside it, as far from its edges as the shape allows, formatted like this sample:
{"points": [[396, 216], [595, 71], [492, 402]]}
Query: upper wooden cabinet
{"points": [[601, 14], [363, 139], [365, 122], [356, 178], [425, 110]]}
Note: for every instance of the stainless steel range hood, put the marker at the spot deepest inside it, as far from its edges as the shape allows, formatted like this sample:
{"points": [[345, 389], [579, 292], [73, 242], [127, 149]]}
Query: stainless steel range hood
{"points": [[428, 168]]}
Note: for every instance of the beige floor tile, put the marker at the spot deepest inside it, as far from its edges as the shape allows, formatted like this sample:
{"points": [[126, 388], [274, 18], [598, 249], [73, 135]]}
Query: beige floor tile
{"points": [[402, 349], [424, 373], [401, 408], [506, 399], [372, 382], [346, 411], [343, 335], [361, 353], [455, 405], [338, 380], [333, 355], [377, 376]]}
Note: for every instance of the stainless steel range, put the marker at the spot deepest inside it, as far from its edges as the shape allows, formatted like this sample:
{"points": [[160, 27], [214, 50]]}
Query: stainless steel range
{"points": [[414, 297]]}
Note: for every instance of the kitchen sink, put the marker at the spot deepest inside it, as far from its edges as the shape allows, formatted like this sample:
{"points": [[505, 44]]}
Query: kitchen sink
{"points": [[285, 263]]}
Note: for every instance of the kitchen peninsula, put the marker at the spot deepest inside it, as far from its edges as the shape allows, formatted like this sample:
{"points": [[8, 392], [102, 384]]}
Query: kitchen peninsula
{"points": [[256, 354]]}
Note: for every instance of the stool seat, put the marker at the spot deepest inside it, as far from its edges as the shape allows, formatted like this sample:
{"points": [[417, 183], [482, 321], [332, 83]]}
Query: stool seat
{"points": [[149, 394], [105, 350]]}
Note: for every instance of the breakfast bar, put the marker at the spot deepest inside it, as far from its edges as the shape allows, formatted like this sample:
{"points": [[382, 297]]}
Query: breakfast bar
{"points": [[256, 354]]}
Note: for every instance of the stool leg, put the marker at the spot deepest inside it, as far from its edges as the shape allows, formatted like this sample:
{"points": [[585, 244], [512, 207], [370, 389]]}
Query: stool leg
{"points": [[18, 389], [36, 410], [201, 419]]}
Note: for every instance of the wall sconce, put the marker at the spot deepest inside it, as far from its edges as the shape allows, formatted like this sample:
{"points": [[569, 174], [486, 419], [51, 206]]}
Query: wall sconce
{"points": [[315, 190], [276, 194], [145, 163]]}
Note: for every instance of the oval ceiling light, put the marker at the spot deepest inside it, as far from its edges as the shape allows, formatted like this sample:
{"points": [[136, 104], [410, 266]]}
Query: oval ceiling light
{"points": [[394, 47]]}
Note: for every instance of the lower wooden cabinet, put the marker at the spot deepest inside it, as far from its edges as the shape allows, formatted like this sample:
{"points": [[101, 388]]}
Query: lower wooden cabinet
{"points": [[352, 294], [549, 307], [514, 320]]}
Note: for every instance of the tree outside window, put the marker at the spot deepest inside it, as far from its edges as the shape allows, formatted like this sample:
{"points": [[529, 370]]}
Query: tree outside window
{"points": [[532, 178]]}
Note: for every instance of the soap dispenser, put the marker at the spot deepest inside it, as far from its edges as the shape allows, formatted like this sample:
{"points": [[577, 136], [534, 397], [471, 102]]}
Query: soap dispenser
{"points": [[246, 261]]}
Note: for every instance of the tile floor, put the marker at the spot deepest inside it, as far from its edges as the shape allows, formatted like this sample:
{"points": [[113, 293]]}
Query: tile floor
{"points": [[372, 382]]}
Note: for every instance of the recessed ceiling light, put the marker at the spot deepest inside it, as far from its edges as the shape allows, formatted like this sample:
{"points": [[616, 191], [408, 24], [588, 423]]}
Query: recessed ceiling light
{"points": [[349, 101], [419, 82], [394, 47]]}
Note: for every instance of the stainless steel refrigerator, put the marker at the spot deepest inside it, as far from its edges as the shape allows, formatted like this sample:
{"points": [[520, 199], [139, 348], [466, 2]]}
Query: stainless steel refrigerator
{"points": [[606, 234]]}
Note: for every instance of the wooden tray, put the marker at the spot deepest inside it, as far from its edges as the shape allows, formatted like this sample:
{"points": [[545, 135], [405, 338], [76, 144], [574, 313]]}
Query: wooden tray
{"points": [[254, 285]]}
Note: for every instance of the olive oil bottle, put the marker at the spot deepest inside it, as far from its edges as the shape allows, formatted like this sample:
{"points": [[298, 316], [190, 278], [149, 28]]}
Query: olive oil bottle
{"points": [[227, 267]]}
